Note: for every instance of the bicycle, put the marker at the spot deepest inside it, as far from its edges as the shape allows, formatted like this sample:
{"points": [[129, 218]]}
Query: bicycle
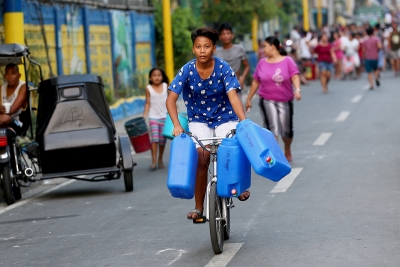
{"points": [[217, 208]]}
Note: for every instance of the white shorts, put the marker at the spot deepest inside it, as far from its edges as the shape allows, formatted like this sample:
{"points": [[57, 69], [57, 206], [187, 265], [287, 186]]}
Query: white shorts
{"points": [[201, 130]]}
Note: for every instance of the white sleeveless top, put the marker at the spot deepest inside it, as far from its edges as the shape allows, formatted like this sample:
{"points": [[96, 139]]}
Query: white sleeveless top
{"points": [[12, 97], [157, 110]]}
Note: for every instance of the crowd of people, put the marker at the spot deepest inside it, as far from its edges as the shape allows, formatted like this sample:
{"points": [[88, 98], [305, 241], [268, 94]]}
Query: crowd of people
{"points": [[345, 52]]}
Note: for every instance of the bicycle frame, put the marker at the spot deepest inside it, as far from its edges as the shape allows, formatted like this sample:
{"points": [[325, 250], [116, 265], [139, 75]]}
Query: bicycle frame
{"points": [[213, 153]]}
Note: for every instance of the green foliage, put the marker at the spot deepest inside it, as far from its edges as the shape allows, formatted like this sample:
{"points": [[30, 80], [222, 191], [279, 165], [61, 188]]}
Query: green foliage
{"points": [[183, 23], [238, 13]]}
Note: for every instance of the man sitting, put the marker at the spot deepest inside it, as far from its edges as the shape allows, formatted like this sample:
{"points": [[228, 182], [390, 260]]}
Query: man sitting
{"points": [[13, 92]]}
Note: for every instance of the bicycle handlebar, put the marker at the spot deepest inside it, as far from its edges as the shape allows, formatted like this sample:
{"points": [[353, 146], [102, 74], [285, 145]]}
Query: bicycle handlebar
{"points": [[230, 133]]}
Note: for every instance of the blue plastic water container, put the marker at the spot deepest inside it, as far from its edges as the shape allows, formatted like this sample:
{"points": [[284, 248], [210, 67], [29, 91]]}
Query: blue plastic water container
{"points": [[182, 167], [262, 150], [233, 169], [169, 126]]}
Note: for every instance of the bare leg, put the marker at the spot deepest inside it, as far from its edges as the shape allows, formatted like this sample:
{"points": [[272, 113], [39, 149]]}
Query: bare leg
{"points": [[154, 146], [5, 119], [377, 77], [160, 154], [371, 81], [288, 153], [323, 80], [201, 181]]}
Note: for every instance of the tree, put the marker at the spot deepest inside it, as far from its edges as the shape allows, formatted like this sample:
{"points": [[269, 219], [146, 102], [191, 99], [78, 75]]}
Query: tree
{"points": [[238, 13], [183, 23], [287, 8]]}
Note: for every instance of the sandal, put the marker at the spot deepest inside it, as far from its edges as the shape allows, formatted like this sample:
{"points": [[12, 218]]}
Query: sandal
{"points": [[195, 211], [161, 165], [152, 167], [243, 196]]}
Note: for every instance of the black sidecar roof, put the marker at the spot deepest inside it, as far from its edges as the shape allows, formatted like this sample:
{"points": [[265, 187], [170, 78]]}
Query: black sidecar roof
{"points": [[12, 53]]}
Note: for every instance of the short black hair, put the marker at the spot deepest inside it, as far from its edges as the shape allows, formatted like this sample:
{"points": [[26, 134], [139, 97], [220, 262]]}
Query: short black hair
{"points": [[207, 32], [225, 26], [12, 65], [370, 31]]}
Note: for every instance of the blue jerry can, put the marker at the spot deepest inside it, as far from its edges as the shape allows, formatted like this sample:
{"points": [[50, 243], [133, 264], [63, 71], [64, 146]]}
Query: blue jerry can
{"points": [[262, 150], [182, 169], [233, 169]]}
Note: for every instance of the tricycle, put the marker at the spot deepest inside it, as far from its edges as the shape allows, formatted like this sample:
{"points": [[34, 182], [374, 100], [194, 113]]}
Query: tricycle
{"points": [[75, 135]]}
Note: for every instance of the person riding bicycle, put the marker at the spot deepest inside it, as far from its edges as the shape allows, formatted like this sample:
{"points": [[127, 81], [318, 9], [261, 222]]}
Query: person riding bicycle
{"points": [[13, 93], [209, 87]]}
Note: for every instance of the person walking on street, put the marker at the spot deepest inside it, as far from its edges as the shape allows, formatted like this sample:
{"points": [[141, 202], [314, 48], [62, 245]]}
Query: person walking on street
{"points": [[351, 47], [209, 87], [274, 79], [326, 58], [394, 49], [338, 48], [371, 47], [156, 94], [233, 54]]}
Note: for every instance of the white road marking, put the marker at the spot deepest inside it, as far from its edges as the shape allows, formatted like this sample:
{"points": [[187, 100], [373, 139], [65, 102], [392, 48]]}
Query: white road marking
{"points": [[178, 251], [22, 202], [221, 260], [342, 116], [286, 182], [366, 87], [321, 140], [356, 99]]}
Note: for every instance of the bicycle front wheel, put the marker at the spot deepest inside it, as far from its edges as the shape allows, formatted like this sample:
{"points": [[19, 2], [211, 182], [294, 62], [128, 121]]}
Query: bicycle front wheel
{"points": [[227, 223], [216, 221]]}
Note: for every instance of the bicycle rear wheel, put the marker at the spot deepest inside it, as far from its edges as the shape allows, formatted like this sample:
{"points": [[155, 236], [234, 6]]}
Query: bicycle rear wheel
{"points": [[216, 222]]}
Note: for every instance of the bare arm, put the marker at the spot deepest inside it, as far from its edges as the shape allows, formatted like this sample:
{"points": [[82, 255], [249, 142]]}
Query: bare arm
{"points": [[147, 105], [236, 104], [333, 55], [173, 112], [20, 101], [253, 89], [245, 72], [296, 83], [379, 45]]}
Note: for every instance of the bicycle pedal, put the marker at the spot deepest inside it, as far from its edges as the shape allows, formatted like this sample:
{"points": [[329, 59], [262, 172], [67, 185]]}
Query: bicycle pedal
{"points": [[200, 220]]}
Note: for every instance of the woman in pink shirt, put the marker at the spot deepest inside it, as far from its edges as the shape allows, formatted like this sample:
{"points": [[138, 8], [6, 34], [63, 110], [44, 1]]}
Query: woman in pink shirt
{"points": [[274, 78], [337, 47]]}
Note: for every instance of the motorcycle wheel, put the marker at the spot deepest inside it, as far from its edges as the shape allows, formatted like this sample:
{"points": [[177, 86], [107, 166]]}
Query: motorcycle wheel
{"points": [[7, 183]]}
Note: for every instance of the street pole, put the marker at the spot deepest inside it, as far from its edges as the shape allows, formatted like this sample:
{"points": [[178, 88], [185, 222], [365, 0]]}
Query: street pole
{"points": [[319, 14], [306, 23], [14, 25], [254, 32], [331, 13], [168, 49]]}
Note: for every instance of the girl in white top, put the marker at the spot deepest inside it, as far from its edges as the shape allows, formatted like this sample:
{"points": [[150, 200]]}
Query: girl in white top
{"points": [[13, 92], [155, 109]]}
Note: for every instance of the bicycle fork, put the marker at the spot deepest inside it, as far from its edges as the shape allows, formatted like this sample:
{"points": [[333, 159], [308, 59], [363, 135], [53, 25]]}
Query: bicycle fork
{"points": [[224, 203]]}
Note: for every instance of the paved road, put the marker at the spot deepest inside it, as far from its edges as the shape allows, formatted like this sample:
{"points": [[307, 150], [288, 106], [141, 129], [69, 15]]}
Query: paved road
{"points": [[338, 207]]}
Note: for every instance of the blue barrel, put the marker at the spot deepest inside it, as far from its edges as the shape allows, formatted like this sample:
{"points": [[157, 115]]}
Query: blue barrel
{"points": [[182, 169], [169, 126], [262, 150], [233, 169]]}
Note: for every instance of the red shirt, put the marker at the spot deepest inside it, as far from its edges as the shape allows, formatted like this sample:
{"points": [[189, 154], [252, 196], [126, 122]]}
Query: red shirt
{"points": [[324, 53], [371, 47]]}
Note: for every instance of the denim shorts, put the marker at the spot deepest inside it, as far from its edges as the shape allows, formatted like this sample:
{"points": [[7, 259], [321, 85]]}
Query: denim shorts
{"points": [[325, 66], [371, 65]]}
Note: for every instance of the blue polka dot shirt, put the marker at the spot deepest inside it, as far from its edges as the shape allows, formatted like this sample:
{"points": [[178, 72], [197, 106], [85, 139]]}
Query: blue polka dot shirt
{"points": [[207, 100]]}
